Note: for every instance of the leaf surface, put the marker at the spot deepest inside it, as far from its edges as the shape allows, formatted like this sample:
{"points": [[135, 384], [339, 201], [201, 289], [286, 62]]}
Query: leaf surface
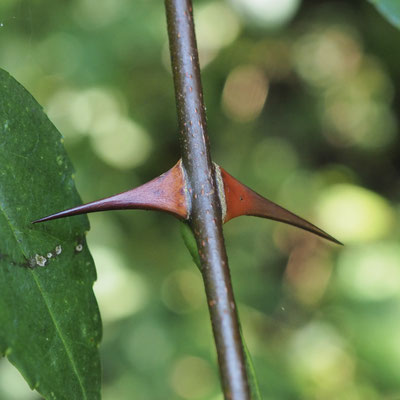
{"points": [[390, 9], [50, 325]]}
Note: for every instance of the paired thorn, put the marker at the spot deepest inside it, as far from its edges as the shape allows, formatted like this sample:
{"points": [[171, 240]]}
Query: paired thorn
{"points": [[241, 200], [164, 193], [169, 193]]}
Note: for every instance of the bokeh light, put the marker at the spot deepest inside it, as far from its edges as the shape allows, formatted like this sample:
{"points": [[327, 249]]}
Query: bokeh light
{"points": [[244, 93], [327, 55], [192, 378], [120, 142], [98, 113], [267, 13], [94, 14], [217, 26], [182, 291], [302, 106], [12, 384], [148, 335], [318, 355], [356, 91], [354, 214], [370, 272], [120, 291], [59, 54], [307, 273]]}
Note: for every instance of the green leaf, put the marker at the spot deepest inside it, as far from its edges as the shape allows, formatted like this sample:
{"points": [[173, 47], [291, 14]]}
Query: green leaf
{"points": [[190, 242], [390, 9], [50, 325]]}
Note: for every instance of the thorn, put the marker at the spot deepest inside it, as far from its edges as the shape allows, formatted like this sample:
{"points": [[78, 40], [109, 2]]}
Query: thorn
{"points": [[164, 193], [241, 200], [168, 193]]}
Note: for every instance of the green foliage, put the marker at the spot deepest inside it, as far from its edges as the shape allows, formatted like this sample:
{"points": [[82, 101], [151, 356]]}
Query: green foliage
{"points": [[50, 324], [190, 243], [390, 9], [321, 322]]}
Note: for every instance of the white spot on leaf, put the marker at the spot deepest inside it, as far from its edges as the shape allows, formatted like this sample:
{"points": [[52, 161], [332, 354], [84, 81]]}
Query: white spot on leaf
{"points": [[40, 260]]}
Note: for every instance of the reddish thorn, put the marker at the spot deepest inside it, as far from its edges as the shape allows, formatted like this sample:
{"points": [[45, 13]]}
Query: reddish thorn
{"points": [[163, 194], [241, 200]]}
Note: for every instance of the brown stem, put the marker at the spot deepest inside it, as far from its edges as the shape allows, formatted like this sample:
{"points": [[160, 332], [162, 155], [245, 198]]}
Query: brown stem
{"points": [[205, 217]]}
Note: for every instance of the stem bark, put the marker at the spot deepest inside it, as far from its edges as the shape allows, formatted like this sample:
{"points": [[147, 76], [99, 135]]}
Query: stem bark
{"points": [[205, 209]]}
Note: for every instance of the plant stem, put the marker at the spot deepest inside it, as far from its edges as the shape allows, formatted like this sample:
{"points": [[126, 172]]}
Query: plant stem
{"points": [[205, 213]]}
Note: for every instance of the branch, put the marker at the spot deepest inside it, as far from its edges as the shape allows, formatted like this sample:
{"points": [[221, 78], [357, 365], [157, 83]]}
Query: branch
{"points": [[205, 213], [192, 190]]}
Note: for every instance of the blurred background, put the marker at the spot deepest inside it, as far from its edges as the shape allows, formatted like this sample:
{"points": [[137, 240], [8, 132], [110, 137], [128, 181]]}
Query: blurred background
{"points": [[302, 107]]}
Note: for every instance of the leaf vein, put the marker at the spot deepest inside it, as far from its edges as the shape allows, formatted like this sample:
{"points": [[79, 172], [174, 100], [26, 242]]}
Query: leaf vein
{"points": [[48, 306]]}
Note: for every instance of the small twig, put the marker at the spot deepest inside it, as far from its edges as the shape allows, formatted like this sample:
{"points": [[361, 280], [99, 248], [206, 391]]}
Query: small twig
{"points": [[205, 214]]}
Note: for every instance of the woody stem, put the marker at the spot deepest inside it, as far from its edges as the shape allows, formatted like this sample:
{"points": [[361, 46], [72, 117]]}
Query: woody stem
{"points": [[205, 214]]}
